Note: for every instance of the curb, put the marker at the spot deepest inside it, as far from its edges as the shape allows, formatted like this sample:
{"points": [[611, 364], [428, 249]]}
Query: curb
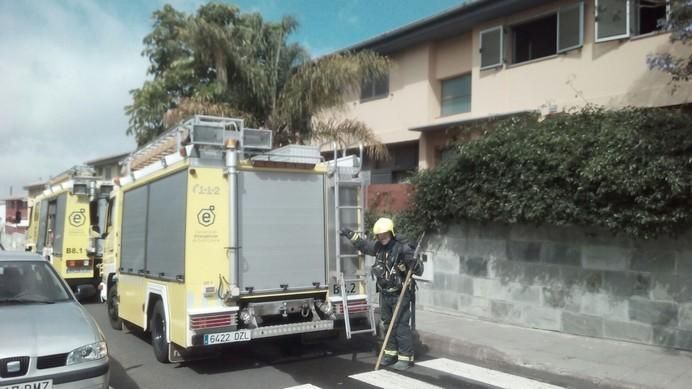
{"points": [[492, 358]]}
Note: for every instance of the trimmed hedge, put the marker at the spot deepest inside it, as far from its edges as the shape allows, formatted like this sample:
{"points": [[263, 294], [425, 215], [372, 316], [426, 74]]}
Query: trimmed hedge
{"points": [[628, 170]]}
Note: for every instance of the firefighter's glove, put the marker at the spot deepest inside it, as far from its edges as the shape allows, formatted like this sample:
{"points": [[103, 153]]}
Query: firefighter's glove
{"points": [[349, 234], [418, 267]]}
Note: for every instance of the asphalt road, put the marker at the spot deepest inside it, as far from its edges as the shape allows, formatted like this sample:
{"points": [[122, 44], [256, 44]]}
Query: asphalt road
{"points": [[276, 364]]}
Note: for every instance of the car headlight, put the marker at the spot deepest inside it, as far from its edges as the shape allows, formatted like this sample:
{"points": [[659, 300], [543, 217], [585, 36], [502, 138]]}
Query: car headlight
{"points": [[90, 352]]}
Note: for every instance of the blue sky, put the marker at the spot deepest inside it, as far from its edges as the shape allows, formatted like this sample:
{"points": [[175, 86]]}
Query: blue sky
{"points": [[66, 68]]}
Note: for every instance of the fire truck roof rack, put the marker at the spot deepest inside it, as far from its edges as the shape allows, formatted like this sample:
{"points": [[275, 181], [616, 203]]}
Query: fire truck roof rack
{"points": [[77, 171], [200, 131], [164, 144]]}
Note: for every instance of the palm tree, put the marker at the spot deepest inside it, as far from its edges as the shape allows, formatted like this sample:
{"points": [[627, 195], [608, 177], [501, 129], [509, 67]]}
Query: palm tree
{"points": [[240, 64], [216, 34]]}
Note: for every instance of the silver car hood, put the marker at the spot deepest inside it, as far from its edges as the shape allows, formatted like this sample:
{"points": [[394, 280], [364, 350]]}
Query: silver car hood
{"points": [[44, 329]]}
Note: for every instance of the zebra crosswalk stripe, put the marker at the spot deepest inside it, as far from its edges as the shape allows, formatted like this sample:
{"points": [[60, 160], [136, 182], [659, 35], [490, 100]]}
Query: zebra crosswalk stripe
{"points": [[386, 379], [487, 376]]}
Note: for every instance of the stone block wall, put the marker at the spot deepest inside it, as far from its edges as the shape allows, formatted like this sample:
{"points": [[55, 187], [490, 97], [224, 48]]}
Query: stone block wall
{"points": [[579, 281]]}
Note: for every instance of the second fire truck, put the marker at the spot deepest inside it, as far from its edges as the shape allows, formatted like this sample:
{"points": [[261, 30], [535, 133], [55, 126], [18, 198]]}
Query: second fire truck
{"points": [[65, 226]]}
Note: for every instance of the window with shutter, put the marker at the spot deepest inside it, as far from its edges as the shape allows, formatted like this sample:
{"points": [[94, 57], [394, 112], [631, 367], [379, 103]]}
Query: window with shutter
{"points": [[491, 47], [612, 19], [570, 27], [648, 16]]}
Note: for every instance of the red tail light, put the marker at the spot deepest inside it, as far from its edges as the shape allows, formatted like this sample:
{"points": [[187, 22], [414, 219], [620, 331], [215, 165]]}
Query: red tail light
{"points": [[354, 306], [78, 263], [216, 320]]}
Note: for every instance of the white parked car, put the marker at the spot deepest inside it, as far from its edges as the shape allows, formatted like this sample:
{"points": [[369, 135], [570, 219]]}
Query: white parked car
{"points": [[47, 339]]}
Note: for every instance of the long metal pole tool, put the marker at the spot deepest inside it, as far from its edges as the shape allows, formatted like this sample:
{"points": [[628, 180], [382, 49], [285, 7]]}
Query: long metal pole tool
{"points": [[395, 315]]}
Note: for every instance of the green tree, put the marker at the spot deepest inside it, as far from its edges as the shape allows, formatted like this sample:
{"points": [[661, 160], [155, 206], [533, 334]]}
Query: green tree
{"points": [[221, 61], [627, 170], [680, 26], [175, 75]]}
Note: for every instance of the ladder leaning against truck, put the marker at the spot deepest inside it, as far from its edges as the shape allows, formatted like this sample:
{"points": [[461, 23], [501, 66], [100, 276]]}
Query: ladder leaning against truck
{"points": [[213, 237], [65, 225]]}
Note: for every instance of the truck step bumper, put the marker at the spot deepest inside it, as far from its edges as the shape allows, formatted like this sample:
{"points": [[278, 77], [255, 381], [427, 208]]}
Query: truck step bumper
{"points": [[292, 329]]}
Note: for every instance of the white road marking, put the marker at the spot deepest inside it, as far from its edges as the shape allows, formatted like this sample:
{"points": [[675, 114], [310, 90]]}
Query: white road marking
{"points": [[386, 379], [488, 376], [306, 386]]}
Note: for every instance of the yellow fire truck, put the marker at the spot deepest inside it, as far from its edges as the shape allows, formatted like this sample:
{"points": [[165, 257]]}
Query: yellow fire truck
{"points": [[215, 238], [64, 226]]}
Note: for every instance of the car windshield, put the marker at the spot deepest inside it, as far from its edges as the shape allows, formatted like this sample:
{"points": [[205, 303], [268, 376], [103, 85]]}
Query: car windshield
{"points": [[24, 282]]}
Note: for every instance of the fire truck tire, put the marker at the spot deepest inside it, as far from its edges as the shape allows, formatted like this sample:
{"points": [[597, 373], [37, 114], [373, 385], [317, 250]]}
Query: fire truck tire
{"points": [[158, 332], [112, 304]]}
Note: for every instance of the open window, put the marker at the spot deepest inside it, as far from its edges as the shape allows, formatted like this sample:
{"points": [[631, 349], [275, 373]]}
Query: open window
{"points": [[648, 15], [549, 34], [616, 19], [374, 88], [534, 39], [492, 47], [570, 27], [612, 19]]}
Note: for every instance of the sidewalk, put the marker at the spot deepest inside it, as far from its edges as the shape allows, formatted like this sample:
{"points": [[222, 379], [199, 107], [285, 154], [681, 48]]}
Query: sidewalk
{"points": [[567, 360]]}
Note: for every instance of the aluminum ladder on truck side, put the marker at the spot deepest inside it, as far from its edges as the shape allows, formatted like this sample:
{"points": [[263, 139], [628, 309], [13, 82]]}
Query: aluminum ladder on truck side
{"points": [[349, 177]]}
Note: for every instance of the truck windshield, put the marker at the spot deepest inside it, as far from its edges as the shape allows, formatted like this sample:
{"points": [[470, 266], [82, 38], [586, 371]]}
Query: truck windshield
{"points": [[24, 282]]}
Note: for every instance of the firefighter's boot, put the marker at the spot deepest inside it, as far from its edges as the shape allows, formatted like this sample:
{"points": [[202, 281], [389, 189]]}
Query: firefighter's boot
{"points": [[403, 363], [390, 358]]}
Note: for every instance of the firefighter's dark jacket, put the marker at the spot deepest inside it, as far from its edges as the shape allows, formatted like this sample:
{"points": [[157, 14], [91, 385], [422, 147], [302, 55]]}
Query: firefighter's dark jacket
{"points": [[392, 262]]}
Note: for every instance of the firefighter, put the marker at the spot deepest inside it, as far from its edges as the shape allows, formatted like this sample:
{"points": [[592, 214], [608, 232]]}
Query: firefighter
{"points": [[393, 259]]}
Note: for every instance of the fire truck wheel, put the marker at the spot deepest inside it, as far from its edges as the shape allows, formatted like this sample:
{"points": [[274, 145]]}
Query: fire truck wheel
{"points": [[112, 303], [158, 333]]}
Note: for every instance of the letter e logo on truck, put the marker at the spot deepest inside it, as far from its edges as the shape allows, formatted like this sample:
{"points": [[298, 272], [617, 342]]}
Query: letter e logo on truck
{"points": [[77, 218], [206, 216]]}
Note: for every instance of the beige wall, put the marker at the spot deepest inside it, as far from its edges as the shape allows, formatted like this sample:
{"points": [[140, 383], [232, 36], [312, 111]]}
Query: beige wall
{"points": [[453, 57], [391, 116], [611, 73]]}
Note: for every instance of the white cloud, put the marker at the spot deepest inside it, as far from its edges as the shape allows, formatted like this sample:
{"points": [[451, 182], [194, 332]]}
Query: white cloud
{"points": [[317, 51], [65, 70], [347, 14]]}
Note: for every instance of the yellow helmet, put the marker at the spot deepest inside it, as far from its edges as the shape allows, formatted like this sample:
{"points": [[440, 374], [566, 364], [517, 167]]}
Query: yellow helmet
{"points": [[383, 225]]}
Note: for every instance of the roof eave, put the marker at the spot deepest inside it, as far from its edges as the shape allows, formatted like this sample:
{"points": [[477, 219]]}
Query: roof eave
{"points": [[443, 126], [443, 25], [106, 160]]}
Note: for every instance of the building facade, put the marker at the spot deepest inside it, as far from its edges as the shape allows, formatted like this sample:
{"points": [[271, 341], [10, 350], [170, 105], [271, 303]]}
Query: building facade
{"points": [[494, 58], [489, 59], [14, 221], [108, 167]]}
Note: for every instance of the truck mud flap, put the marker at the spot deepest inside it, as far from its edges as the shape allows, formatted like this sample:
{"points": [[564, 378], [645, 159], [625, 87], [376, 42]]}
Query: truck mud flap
{"points": [[178, 354]]}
